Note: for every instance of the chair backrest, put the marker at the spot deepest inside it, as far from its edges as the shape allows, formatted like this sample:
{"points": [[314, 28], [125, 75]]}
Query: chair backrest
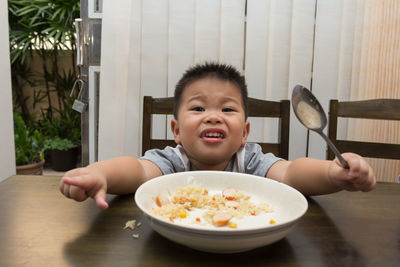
{"points": [[379, 109], [256, 108]]}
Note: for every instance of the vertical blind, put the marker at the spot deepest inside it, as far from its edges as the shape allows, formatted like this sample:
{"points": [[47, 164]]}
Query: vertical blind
{"points": [[279, 45], [146, 46], [323, 45]]}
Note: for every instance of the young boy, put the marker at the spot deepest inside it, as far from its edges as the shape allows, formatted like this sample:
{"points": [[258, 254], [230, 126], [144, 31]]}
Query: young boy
{"points": [[210, 125]]}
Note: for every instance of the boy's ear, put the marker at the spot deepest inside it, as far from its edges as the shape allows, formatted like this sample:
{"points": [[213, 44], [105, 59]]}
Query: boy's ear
{"points": [[246, 132], [175, 131]]}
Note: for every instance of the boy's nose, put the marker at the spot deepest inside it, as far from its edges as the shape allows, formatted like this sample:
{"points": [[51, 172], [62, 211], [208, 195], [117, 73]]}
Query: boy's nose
{"points": [[213, 117]]}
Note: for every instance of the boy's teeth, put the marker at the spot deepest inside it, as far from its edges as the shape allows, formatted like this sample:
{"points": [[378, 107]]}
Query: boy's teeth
{"points": [[213, 135]]}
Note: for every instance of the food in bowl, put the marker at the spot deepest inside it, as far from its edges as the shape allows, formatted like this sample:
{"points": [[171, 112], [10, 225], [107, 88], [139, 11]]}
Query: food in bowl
{"points": [[288, 205], [194, 204]]}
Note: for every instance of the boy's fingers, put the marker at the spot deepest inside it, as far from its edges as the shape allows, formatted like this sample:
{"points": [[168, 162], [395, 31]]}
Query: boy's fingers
{"points": [[100, 199], [65, 190], [354, 166], [77, 193], [360, 175], [73, 192], [353, 163], [79, 181], [370, 181], [83, 186]]}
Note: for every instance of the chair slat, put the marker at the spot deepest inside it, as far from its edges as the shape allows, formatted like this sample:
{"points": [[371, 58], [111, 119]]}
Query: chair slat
{"points": [[263, 108], [371, 149], [270, 148], [158, 143], [257, 108], [370, 109], [382, 109]]}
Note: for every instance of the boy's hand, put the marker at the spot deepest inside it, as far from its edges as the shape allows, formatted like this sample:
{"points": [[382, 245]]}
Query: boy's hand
{"points": [[81, 183], [359, 176]]}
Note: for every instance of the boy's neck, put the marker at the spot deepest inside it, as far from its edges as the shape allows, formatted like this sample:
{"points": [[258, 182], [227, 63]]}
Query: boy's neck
{"points": [[204, 167]]}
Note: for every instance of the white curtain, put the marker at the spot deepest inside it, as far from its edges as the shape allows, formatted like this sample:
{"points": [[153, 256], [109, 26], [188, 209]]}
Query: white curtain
{"points": [[7, 152], [335, 27], [146, 46], [279, 47], [119, 108]]}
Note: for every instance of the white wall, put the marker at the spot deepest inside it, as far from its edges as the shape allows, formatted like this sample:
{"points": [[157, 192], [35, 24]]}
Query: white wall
{"points": [[7, 152]]}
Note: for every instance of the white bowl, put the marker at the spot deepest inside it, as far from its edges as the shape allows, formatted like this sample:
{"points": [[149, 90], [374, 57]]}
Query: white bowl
{"points": [[288, 204]]}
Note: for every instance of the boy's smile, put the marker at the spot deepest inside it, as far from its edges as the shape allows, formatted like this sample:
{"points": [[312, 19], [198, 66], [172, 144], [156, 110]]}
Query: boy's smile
{"points": [[211, 124], [213, 135]]}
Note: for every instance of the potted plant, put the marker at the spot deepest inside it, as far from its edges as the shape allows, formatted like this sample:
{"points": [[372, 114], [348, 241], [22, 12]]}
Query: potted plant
{"points": [[62, 145], [63, 153], [29, 146]]}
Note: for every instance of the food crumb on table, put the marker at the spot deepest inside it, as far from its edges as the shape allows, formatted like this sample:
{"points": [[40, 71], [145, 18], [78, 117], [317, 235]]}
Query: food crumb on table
{"points": [[130, 224]]}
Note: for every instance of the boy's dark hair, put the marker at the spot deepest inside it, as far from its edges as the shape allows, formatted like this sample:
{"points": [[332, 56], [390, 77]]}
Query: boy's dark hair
{"points": [[210, 70]]}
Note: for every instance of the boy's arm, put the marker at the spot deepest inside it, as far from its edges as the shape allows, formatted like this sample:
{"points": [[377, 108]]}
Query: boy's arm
{"points": [[307, 175], [120, 175], [316, 177], [125, 174]]}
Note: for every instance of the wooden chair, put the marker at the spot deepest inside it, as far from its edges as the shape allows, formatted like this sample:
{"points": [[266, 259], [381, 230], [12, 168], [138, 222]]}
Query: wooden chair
{"points": [[256, 108], [381, 109]]}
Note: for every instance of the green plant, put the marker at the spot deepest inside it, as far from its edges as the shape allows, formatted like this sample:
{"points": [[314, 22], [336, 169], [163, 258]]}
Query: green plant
{"points": [[66, 125], [29, 144], [45, 28], [58, 143]]}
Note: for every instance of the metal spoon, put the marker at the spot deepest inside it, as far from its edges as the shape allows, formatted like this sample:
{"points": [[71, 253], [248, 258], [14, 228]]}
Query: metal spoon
{"points": [[311, 114]]}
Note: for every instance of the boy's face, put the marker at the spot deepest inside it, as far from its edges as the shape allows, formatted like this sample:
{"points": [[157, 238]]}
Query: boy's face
{"points": [[211, 123]]}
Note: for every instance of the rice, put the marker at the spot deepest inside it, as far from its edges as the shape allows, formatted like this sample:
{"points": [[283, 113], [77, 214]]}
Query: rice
{"points": [[194, 197], [130, 224]]}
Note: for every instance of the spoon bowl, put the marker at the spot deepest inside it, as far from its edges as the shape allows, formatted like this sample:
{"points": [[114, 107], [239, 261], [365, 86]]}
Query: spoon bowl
{"points": [[310, 113]]}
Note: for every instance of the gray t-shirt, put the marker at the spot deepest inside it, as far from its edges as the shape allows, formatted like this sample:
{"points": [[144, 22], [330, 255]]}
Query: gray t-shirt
{"points": [[249, 159]]}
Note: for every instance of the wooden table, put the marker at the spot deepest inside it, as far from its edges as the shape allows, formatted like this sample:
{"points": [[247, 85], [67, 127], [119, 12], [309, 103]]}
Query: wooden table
{"points": [[39, 227]]}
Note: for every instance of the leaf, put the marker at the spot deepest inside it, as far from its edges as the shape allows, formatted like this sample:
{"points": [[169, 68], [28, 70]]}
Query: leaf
{"points": [[25, 11], [57, 37], [55, 14]]}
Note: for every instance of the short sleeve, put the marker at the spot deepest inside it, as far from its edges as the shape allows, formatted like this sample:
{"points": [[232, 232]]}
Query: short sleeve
{"points": [[256, 162], [168, 159]]}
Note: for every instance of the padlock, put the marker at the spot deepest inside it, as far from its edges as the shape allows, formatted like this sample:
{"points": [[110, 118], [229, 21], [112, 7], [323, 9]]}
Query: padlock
{"points": [[78, 104]]}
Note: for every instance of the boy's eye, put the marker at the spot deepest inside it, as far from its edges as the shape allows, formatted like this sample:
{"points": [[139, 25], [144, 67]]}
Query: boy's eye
{"points": [[227, 110], [199, 109]]}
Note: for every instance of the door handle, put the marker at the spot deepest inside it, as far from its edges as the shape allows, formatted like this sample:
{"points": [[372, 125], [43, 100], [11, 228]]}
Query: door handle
{"points": [[79, 41]]}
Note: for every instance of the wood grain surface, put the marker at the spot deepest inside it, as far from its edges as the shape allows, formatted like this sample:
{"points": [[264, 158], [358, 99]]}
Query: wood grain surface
{"points": [[40, 227]]}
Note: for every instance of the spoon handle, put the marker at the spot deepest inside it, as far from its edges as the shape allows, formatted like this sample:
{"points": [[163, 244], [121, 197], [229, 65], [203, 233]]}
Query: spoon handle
{"points": [[342, 161]]}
